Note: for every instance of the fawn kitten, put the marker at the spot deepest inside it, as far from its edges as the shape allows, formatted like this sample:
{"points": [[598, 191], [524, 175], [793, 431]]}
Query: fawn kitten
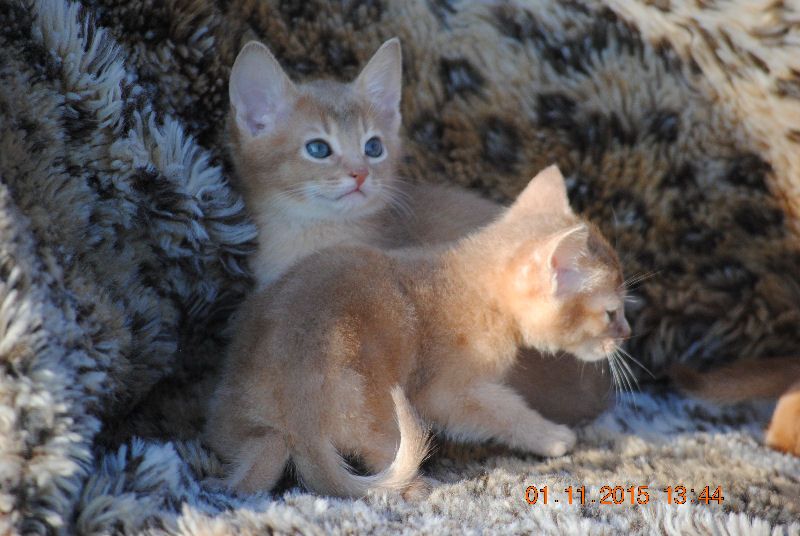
{"points": [[303, 203], [747, 380], [323, 358]]}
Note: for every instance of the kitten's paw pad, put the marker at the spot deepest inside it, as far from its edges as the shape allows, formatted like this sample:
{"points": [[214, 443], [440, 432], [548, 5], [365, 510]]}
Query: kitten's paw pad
{"points": [[556, 442]]}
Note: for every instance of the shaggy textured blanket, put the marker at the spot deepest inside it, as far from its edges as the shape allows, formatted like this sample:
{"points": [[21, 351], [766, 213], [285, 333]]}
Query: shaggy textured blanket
{"points": [[123, 244]]}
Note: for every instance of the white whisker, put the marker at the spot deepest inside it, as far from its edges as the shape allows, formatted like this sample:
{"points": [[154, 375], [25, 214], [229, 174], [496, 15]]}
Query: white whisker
{"points": [[614, 375], [623, 384], [624, 372], [631, 376], [629, 356]]}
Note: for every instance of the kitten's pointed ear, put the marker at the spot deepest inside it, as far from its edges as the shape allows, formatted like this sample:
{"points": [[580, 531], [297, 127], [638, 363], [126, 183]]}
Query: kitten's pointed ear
{"points": [[545, 193], [382, 78], [562, 251], [260, 92], [552, 264]]}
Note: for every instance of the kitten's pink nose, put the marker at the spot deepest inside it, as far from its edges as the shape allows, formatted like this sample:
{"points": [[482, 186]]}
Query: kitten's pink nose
{"points": [[360, 175]]}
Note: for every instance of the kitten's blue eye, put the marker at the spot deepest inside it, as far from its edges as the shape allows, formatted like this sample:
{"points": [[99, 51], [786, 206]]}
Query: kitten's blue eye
{"points": [[373, 148], [318, 149]]}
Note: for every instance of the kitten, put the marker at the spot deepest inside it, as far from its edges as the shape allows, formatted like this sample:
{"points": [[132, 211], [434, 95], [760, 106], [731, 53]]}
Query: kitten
{"points": [[323, 358], [301, 203], [747, 380], [316, 161]]}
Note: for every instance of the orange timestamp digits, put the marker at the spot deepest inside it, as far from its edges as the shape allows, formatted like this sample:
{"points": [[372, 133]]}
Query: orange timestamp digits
{"points": [[705, 496], [633, 495]]}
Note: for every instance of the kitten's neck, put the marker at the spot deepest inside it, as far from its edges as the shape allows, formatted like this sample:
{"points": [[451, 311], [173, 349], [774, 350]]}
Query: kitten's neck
{"points": [[466, 279], [285, 238]]}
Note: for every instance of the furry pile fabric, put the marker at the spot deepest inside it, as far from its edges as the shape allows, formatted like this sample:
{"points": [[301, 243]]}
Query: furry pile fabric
{"points": [[123, 241]]}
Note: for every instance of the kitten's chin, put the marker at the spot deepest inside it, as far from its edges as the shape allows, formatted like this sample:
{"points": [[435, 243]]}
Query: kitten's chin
{"points": [[594, 351], [356, 204], [353, 206]]}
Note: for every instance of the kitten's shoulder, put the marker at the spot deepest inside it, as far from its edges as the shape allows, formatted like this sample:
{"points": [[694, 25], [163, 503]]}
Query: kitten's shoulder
{"points": [[366, 259]]}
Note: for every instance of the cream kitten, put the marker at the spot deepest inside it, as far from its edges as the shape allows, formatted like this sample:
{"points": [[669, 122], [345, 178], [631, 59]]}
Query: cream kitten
{"points": [[317, 182], [323, 359], [301, 203]]}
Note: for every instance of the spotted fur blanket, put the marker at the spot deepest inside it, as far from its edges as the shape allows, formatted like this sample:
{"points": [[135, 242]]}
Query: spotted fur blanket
{"points": [[123, 243]]}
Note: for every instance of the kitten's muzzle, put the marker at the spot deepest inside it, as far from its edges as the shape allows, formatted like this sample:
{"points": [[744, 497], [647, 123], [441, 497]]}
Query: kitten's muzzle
{"points": [[621, 329]]}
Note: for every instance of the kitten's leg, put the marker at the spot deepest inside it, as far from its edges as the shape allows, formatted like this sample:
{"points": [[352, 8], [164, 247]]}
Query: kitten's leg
{"points": [[491, 410], [260, 463]]}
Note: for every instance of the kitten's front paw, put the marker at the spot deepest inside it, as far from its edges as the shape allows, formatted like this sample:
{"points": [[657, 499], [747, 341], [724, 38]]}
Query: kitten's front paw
{"points": [[555, 441]]}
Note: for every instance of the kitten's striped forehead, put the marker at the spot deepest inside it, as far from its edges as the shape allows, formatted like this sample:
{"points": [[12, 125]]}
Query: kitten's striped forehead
{"points": [[336, 105]]}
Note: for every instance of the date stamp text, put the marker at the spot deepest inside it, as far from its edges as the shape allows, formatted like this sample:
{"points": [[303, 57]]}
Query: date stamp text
{"points": [[619, 495]]}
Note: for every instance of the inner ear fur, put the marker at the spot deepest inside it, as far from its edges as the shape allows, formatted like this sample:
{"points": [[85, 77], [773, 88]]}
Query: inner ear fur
{"points": [[260, 91], [556, 260]]}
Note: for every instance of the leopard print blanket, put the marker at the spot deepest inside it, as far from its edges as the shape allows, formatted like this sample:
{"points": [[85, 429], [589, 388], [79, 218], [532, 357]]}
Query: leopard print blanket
{"points": [[123, 243]]}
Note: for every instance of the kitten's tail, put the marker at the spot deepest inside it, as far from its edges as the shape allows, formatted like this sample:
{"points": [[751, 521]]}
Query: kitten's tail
{"points": [[741, 381], [323, 470]]}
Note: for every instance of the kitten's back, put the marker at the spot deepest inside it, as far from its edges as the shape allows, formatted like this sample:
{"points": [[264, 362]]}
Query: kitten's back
{"points": [[438, 214]]}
